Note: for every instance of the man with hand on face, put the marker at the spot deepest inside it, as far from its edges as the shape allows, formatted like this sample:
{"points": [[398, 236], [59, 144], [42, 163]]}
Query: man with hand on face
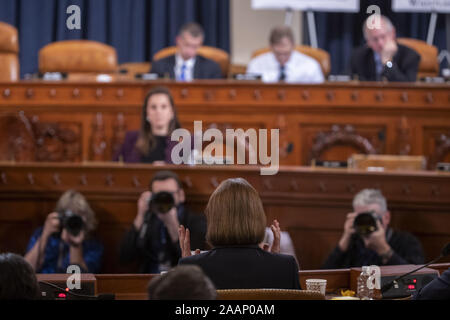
{"points": [[382, 57], [382, 246], [186, 65], [153, 237], [283, 62]]}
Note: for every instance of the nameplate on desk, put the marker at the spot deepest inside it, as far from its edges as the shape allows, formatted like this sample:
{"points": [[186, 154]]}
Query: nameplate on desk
{"points": [[53, 76], [339, 78], [331, 164], [443, 166], [433, 80], [147, 76], [247, 76]]}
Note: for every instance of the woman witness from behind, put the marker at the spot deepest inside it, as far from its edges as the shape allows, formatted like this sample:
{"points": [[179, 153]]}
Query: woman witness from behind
{"points": [[235, 229], [152, 144], [66, 238]]}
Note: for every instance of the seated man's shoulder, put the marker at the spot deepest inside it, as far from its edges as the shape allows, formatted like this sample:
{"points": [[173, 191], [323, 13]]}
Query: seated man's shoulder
{"points": [[263, 57], [407, 51], [305, 59], [162, 64], [361, 51], [405, 236], [208, 63], [165, 59]]}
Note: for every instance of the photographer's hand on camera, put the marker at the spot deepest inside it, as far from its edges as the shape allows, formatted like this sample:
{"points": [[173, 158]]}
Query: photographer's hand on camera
{"points": [[51, 225], [349, 230], [36, 255], [142, 207], [377, 242], [71, 240]]}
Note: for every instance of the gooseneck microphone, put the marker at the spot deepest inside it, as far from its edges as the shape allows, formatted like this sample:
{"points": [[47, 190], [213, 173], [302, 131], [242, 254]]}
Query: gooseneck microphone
{"points": [[444, 252], [103, 296]]}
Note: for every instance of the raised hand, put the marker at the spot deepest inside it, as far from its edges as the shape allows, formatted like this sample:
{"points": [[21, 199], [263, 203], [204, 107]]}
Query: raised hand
{"points": [[275, 227], [185, 241]]}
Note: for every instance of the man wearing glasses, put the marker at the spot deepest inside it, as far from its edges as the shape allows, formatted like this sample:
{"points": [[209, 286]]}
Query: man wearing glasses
{"points": [[153, 237]]}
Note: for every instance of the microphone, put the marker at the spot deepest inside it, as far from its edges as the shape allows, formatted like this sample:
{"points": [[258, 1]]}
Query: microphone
{"points": [[102, 296], [444, 252]]}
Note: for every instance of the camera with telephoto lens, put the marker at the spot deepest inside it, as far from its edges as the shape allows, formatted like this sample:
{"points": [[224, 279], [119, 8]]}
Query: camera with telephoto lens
{"points": [[70, 221], [366, 222], [161, 202]]}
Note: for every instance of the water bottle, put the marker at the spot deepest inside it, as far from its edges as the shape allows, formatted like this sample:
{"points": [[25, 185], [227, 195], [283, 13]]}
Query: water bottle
{"points": [[363, 292]]}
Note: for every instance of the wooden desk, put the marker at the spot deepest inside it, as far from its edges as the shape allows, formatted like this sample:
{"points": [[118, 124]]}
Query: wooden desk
{"points": [[79, 121], [134, 286], [311, 204]]}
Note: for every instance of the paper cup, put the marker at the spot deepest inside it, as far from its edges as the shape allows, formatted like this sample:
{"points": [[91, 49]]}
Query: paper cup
{"points": [[319, 285]]}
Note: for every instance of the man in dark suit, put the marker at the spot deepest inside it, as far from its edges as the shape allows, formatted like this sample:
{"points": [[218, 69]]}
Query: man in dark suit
{"points": [[186, 65], [382, 57], [438, 289], [152, 240]]}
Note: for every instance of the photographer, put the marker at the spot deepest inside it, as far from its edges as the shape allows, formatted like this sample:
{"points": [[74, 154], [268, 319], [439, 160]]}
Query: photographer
{"points": [[65, 239], [153, 237], [368, 240]]}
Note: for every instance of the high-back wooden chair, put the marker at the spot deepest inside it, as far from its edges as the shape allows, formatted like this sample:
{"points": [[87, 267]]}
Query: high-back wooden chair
{"points": [[429, 63], [9, 52], [78, 56]]}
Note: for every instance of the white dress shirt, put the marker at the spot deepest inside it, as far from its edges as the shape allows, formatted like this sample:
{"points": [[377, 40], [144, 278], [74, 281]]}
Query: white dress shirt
{"points": [[189, 70], [300, 68]]}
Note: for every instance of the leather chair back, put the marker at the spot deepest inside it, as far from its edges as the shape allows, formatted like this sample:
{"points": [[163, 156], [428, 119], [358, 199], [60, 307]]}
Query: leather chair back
{"points": [[9, 51], [429, 63], [78, 56]]}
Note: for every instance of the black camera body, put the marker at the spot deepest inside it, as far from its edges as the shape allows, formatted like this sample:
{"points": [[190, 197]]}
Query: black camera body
{"points": [[161, 202], [70, 221], [366, 222]]}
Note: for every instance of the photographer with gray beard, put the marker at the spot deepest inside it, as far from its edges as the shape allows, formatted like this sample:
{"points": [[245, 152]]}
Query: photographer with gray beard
{"points": [[370, 240]]}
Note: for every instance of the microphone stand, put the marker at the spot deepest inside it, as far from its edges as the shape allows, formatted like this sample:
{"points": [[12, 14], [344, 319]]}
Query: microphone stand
{"points": [[389, 285]]}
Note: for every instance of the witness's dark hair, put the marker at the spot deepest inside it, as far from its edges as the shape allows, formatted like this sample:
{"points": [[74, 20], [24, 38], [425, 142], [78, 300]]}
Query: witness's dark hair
{"points": [[17, 278], [280, 32], [164, 175], [186, 282], [193, 28], [146, 141]]}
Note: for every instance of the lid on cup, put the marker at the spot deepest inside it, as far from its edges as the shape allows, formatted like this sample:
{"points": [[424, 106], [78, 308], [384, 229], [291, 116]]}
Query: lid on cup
{"points": [[316, 280]]}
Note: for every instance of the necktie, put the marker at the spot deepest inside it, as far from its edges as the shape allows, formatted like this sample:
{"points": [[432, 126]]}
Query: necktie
{"points": [[183, 72], [378, 67], [282, 76]]}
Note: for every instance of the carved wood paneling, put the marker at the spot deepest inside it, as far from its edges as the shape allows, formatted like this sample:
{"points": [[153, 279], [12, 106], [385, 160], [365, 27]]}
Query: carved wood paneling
{"points": [[404, 111], [339, 142], [309, 203]]}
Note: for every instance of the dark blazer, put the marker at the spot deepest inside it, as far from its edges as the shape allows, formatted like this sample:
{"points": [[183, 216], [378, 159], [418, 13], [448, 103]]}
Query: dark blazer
{"points": [[247, 267], [407, 250], [203, 68], [404, 65], [438, 289], [131, 154], [156, 245]]}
